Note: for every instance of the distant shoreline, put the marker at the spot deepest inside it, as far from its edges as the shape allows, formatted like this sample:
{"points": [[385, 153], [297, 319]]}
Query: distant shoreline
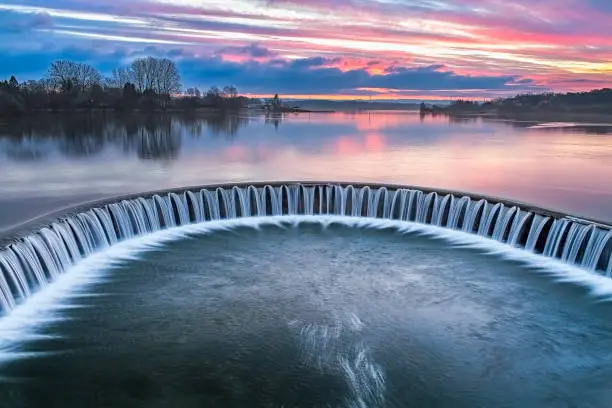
{"points": [[341, 108], [569, 106], [528, 116]]}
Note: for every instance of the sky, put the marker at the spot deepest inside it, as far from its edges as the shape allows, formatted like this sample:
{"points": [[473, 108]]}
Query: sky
{"points": [[344, 49]]}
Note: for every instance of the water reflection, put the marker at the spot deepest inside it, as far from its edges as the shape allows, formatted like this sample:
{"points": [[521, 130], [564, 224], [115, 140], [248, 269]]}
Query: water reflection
{"points": [[274, 119], [559, 165], [148, 137], [595, 124], [161, 137]]}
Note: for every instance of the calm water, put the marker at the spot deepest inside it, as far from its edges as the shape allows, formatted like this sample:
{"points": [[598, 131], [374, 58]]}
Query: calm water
{"points": [[312, 317], [49, 163]]}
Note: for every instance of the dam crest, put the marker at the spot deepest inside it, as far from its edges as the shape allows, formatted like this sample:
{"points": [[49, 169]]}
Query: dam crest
{"points": [[43, 250]]}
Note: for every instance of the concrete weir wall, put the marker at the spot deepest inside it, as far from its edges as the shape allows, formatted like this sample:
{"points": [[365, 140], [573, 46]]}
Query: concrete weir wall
{"points": [[33, 225], [38, 252]]}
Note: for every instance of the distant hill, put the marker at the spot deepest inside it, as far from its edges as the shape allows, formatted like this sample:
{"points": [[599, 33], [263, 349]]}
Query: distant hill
{"points": [[328, 105]]}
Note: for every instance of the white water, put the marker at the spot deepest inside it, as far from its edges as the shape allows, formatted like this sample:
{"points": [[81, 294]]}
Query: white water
{"points": [[33, 270], [26, 320], [338, 349]]}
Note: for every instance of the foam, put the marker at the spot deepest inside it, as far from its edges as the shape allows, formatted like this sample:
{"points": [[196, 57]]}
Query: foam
{"points": [[338, 348], [28, 320]]}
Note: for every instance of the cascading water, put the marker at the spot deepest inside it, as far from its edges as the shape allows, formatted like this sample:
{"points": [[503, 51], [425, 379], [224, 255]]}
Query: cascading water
{"points": [[36, 260]]}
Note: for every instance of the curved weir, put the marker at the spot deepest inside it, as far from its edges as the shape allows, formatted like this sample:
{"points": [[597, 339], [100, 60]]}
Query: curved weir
{"points": [[36, 260]]}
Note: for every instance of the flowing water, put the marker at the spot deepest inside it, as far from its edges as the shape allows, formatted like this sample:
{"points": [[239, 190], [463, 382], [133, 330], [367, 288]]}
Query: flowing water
{"points": [[316, 316], [36, 260]]}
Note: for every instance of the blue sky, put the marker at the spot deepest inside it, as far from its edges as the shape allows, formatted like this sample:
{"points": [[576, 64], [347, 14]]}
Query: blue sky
{"points": [[343, 48]]}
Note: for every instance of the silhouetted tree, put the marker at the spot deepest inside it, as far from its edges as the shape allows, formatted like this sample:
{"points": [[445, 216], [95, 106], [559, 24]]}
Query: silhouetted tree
{"points": [[193, 92], [156, 76], [148, 83], [10, 104], [13, 85], [230, 92], [119, 77], [80, 76], [97, 96], [130, 96]]}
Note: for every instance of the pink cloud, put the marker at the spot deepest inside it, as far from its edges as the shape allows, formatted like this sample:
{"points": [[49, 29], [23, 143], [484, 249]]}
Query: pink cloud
{"points": [[557, 43]]}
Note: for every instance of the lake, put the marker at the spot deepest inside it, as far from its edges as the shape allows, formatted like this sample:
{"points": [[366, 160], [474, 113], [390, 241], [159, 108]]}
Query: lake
{"points": [[50, 162], [304, 311]]}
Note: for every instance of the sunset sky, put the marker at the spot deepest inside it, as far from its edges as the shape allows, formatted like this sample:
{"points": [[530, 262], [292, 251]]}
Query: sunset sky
{"points": [[387, 49]]}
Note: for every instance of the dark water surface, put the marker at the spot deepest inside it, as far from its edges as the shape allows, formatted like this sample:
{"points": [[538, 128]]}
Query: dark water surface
{"points": [[46, 163], [312, 317]]}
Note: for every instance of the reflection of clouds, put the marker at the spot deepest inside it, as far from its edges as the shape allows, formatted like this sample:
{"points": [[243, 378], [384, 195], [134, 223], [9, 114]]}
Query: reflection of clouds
{"points": [[375, 142], [346, 145], [553, 169], [358, 143], [380, 121], [236, 153], [374, 120], [254, 154]]}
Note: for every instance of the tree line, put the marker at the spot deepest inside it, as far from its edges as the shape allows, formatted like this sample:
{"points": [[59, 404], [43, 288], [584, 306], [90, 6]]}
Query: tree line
{"points": [[597, 101], [146, 84]]}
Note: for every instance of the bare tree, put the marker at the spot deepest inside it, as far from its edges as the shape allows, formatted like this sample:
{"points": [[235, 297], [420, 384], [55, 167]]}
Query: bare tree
{"points": [[213, 93], [168, 79], [230, 92], [193, 92], [80, 76], [119, 78], [156, 75], [147, 83], [139, 74]]}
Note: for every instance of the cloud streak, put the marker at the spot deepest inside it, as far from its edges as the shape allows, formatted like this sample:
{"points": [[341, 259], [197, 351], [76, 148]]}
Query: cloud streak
{"points": [[338, 46]]}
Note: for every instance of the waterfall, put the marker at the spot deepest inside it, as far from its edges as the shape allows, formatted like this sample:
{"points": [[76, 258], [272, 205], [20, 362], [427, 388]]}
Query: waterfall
{"points": [[504, 219], [36, 260], [534, 233], [517, 225]]}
